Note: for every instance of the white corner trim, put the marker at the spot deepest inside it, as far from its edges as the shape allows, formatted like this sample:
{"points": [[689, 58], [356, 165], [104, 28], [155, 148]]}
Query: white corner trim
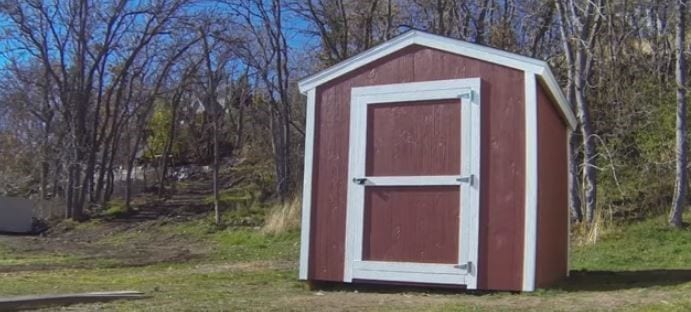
{"points": [[458, 47], [531, 177], [568, 203], [467, 93], [307, 186]]}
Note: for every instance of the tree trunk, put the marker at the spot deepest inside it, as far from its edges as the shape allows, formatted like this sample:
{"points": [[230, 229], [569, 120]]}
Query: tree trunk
{"points": [[679, 201], [128, 179], [574, 180], [44, 181], [168, 148], [589, 154], [77, 200], [69, 192], [217, 211], [574, 173], [579, 31]]}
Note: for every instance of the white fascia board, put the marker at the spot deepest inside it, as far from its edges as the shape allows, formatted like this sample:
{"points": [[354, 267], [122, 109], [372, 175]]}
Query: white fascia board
{"points": [[453, 46], [428, 40], [479, 52], [356, 61], [561, 101]]}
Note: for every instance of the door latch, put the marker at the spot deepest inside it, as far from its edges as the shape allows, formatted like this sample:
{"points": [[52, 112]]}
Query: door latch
{"points": [[469, 179], [359, 181]]}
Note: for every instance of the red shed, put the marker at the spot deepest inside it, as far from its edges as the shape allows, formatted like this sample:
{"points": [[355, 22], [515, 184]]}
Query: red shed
{"points": [[430, 160]]}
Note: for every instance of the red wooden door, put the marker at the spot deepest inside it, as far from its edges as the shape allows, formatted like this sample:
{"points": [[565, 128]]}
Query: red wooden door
{"points": [[413, 200], [412, 223]]}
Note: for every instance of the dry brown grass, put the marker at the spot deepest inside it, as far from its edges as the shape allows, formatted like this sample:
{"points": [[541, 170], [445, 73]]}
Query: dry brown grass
{"points": [[590, 233], [283, 217]]}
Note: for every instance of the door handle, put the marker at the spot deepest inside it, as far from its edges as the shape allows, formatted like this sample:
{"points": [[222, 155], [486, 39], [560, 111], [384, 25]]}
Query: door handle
{"points": [[359, 181]]}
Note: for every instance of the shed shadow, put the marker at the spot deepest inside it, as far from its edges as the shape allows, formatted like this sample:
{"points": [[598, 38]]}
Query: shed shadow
{"points": [[621, 280], [576, 282], [381, 287]]}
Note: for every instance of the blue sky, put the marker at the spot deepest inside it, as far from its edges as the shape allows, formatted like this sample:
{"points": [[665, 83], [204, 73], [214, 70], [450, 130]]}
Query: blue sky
{"points": [[294, 24]]}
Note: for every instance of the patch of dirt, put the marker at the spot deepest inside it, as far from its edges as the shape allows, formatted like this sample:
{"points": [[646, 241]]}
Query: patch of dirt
{"points": [[92, 245]]}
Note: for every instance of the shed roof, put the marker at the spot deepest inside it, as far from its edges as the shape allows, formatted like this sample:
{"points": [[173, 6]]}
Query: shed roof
{"points": [[415, 37]]}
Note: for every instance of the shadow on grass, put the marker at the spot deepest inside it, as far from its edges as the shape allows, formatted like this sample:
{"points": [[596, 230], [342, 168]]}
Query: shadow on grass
{"points": [[392, 288], [578, 281], [621, 280]]}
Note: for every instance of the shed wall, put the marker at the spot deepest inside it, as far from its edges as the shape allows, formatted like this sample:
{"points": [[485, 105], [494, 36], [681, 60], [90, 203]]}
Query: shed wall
{"points": [[503, 160], [552, 245]]}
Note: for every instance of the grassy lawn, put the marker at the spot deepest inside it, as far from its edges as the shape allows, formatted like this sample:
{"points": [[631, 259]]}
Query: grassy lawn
{"points": [[641, 267]]}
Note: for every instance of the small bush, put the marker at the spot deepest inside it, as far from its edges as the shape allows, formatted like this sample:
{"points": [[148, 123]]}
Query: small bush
{"points": [[283, 218], [115, 208]]}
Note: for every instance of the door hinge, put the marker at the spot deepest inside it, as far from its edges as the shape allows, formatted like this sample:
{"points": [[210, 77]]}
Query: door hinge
{"points": [[469, 179], [359, 181], [468, 267], [467, 95]]}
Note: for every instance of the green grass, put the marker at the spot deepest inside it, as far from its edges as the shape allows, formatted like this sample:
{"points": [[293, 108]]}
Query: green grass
{"points": [[650, 244], [239, 243], [172, 287], [246, 245], [7, 258], [637, 267], [115, 208]]}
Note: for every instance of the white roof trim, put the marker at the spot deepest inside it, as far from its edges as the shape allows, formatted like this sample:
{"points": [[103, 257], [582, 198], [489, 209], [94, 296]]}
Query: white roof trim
{"points": [[414, 37]]}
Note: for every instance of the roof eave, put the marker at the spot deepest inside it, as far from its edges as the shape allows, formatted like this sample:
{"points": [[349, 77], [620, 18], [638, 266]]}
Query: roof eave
{"points": [[356, 61], [558, 94]]}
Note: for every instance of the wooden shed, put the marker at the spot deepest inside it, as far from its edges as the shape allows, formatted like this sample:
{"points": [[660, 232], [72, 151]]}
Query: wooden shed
{"points": [[434, 161]]}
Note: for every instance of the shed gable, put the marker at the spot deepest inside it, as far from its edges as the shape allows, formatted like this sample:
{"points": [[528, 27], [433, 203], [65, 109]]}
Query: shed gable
{"points": [[454, 46]]}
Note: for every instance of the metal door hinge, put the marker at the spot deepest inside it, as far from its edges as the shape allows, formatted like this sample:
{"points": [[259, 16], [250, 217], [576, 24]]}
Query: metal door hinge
{"points": [[359, 181], [469, 179], [467, 95], [465, 266]]}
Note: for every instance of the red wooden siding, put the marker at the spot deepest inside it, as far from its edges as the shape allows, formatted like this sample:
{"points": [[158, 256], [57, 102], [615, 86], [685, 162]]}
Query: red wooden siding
{"points": [[418, 138], [502, 173], [413, 224], [552, 253]]}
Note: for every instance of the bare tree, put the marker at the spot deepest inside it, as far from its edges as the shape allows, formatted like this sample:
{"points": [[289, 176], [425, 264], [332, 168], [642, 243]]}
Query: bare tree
{"points": [[88, 60], [215, 65], [580, 24], [267, 52], [679, 201]]}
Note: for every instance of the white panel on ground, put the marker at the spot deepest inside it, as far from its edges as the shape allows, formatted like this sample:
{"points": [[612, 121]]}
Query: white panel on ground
{"points": [[16, 215]]}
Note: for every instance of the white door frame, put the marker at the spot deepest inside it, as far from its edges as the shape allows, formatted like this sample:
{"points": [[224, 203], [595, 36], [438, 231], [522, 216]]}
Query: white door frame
{"points": [[467, 91]]}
